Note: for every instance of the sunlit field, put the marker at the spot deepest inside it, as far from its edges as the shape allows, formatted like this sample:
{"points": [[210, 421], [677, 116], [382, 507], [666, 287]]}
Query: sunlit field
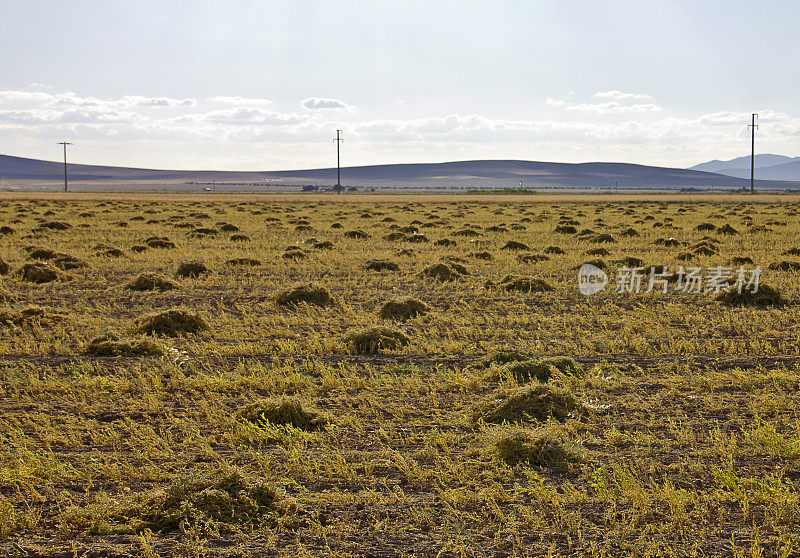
{"points": [[396, 375]]}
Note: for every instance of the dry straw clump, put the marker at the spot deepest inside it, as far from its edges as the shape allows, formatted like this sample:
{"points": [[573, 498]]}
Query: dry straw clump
{"points": [[382, 265], [170, 323], [191, 269], [524, 371], [152, 282], [533, 402], [213, 500], [543, 447], [37, 272], [764, 296], [284, 412], [111, 344], [403, 309], [375, 339], [444, 271], [309, 293]]}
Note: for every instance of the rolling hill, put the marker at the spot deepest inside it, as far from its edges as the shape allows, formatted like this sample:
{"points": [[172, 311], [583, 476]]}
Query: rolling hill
{"points": [[469, 174]]}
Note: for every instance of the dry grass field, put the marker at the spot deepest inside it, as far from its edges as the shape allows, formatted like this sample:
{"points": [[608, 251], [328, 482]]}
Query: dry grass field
{"points": [[394, 376]]}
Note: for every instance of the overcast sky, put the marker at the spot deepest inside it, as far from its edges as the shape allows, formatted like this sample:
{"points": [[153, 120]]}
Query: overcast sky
{"points": [[259, 85]]}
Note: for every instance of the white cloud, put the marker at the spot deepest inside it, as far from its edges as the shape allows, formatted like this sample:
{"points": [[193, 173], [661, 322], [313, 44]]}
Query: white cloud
{"points": [[639, 130], [320, 103], [236, 100], [620, 96], [613, 107]]}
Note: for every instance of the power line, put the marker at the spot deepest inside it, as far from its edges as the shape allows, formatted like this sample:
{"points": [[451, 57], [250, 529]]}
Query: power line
{"points": [[338, 140], [65, 144], [753, 126]]}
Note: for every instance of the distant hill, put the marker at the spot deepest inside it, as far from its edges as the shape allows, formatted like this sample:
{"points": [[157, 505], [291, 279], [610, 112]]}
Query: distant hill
{"points": [[762, 161], [470, 174]]}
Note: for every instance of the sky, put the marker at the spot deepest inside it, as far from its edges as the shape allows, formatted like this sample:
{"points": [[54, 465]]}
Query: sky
{"points": [[263, 85]]}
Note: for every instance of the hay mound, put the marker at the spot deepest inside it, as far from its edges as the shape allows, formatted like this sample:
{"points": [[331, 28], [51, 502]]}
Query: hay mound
{"points": [[382, 265], [324, 245], [55, 225], [629, 232], [138, 248], [565, 229], [111, 344], [4, 267], [539, 448], [514, 245], [532, 258], [170, 323], [356, 234], [201, 232], [244, 261], [603, 238], [765, 296], [524, 371], [152, 282], [487, 256], [445, 242], [284, 412], [229, 228], [240, 238], [742, 260], [501, 357], [5, 229], [191, 269], [785, 266], [42, 273], [597, 252], [534, 402], [374, 339], [728, 230], [521, 284], [703, 227], [293, 253], [308, 293], [41, 253], [401, 310], [210, 499], [416, 238], [159, 242], [444, 271], [67, 262], [553, 250]]}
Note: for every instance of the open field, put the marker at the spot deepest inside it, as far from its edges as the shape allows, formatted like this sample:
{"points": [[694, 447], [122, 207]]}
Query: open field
{"points": [[251, 424]]}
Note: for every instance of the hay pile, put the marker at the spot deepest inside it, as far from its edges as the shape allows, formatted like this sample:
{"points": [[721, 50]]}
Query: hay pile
{"points": [[375, 339], [152, 282], [403, 309], [111, 344], [170, 323]]}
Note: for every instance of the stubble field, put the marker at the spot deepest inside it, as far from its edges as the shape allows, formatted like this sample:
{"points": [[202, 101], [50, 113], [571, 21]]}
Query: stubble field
{"points": [[223, 376]]}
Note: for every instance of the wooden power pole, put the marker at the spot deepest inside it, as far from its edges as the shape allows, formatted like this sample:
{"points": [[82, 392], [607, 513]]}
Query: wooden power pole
{"points": [[338, 140], [753, 127], [65, 144]]}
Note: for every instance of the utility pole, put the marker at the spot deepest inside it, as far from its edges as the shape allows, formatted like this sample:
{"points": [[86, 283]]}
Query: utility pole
{"points": [[65, 144], [753, 127], [338, 140]]}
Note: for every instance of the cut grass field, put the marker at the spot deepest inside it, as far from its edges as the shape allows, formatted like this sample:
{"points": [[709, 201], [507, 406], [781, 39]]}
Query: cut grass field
{"points": [[288, 375]]}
